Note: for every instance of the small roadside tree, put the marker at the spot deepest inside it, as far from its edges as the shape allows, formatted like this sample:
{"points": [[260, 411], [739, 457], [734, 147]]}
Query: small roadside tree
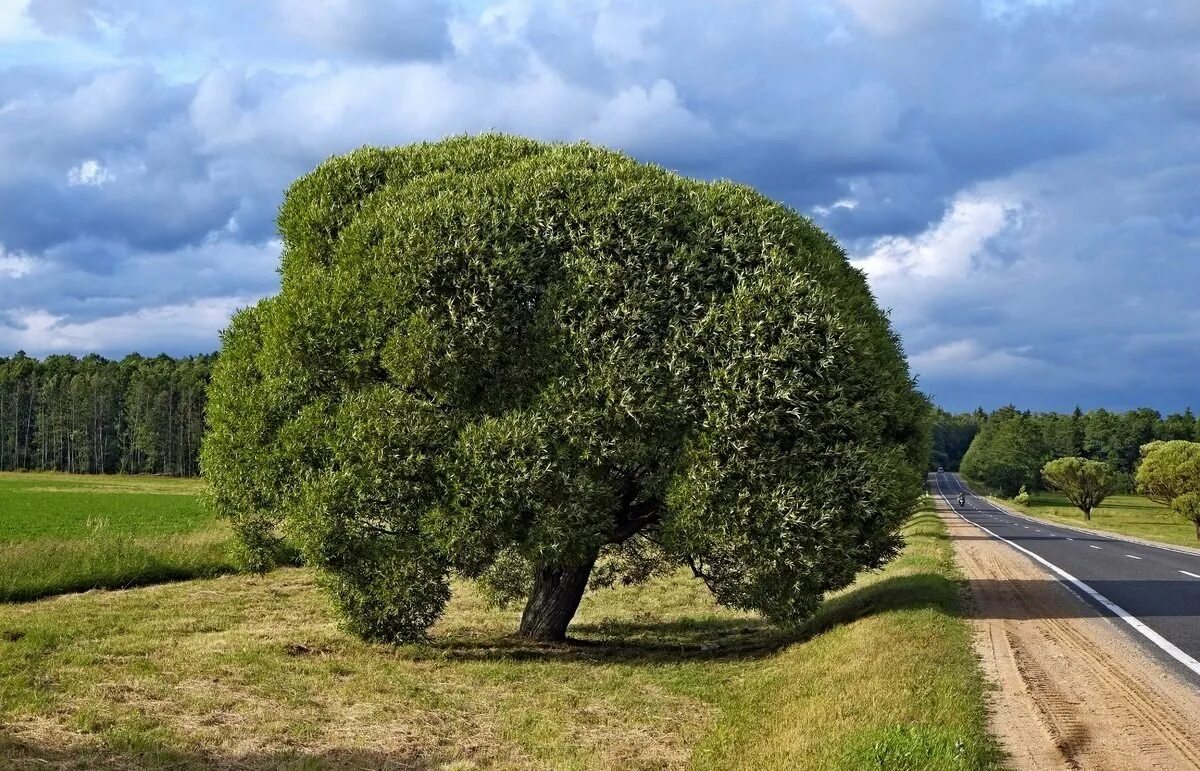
{"points": [[1188, 506], [1168, 470], [1085, 483], [508, 360]]}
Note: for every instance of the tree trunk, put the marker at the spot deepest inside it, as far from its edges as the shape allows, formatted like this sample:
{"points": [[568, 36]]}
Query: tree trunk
{"points": [[1197, 530], [553, 601], [1087, 514]]}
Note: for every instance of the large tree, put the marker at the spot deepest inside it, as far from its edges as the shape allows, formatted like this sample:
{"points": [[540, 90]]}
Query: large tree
{"points": [[489, 350], [1085, 483]]}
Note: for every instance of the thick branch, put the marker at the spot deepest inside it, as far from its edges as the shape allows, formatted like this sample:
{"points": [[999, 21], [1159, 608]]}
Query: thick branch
{"points": [[635, 518]]}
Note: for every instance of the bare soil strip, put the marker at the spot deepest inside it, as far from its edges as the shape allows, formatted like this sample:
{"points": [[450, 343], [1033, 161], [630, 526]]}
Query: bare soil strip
{"points": [[1073, 691]]}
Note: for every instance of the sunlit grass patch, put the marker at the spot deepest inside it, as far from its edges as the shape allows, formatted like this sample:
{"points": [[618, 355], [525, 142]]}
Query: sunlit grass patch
{"points": [[64, 533], [1130, 515]]}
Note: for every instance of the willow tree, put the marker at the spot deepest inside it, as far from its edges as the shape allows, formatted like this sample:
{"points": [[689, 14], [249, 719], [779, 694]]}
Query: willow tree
{"points": [[490, 351], [1085, 483]]}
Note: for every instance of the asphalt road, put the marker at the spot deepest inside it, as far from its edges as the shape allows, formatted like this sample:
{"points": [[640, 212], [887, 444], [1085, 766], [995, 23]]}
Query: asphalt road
{"points": [[1150, 592]]}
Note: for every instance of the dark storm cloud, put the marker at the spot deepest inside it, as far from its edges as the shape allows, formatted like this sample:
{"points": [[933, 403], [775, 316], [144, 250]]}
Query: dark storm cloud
{"points": [[1018, 178]]}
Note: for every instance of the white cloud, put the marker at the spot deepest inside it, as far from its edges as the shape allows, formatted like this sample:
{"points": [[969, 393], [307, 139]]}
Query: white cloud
{"points": [[638, 117], [892, 18], [15, 265], [384, 29], [949, 249], [620, 31], [841, 203], [15, 24], [970, 359], [188, 326], [89, 173]]}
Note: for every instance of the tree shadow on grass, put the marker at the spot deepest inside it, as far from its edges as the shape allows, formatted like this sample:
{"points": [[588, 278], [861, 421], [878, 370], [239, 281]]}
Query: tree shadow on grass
{"points": [[697, 639]]}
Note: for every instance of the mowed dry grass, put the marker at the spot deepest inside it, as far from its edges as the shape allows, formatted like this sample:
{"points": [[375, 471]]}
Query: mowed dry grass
{"points": [[253, 672]]}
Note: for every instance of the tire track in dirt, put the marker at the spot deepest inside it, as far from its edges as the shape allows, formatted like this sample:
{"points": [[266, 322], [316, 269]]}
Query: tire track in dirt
{"points": [[1072, 691]]}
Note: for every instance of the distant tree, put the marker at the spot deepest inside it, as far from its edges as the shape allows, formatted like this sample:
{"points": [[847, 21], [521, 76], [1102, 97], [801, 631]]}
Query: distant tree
{"points": [[1085, 483], [1169, 470], [1136, 428], [1099, 435], [94, 415], [952, 435], [1078, 428], [1008, 452], [1178, 426], [489, 347]]}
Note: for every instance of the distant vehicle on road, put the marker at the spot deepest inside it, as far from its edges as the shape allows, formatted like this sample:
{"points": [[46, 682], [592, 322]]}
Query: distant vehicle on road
{"points": [[940, 469]]}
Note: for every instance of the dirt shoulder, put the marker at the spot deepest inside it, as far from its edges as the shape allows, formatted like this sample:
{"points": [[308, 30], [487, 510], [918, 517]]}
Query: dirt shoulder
{"points": [[1072, 690]]}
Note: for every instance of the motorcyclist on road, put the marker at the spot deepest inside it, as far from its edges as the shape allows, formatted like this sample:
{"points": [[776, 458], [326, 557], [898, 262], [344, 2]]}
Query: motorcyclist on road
{"points": [[962, 499]]}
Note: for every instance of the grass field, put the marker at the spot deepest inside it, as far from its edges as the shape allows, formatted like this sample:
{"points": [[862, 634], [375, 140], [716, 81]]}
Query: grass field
{"points": [[62, 533], [252, 672], [1125, 514]]}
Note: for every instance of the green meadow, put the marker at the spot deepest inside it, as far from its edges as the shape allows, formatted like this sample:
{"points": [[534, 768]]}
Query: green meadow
{"points": [[66, 533]]}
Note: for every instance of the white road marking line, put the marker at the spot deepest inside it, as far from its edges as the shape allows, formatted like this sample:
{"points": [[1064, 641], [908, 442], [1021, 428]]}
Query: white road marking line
{"points": [[1093, 546], [1069, 538], [1163, 643], [1188, 573], [1130, 556]]}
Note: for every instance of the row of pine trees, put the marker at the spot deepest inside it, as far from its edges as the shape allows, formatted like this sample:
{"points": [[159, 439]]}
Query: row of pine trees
{"points": [[93, 415]]}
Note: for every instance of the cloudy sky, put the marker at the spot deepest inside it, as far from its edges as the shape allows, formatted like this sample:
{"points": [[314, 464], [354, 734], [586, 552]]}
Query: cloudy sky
{"points": [[1020, 179]]}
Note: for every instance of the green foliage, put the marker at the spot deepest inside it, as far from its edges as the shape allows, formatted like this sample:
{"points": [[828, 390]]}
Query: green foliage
{"points": [[1022, 497], [1178, 426], [95, 415], [1115, 438], [489, 347], [1007, 453], [952, 435], [1085, 483], [1188, 506], [1169, 470]]}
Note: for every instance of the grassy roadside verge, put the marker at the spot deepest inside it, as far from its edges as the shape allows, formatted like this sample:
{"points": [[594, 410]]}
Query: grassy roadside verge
{"points": [[893, 682], [1130, 515], [248, 671]]}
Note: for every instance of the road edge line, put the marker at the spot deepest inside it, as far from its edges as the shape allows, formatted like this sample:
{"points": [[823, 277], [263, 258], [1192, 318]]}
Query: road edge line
{"points": [[1189, 551], [1162, 643]]}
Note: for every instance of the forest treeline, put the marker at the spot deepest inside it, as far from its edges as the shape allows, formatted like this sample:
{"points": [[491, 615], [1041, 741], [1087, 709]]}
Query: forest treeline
{"points": [[95, 415], [1007, 448]]}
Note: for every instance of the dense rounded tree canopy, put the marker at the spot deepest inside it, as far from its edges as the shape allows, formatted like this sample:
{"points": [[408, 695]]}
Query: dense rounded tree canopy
{"points": [[496, 357], [1169, 470], [1085, 483]]}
